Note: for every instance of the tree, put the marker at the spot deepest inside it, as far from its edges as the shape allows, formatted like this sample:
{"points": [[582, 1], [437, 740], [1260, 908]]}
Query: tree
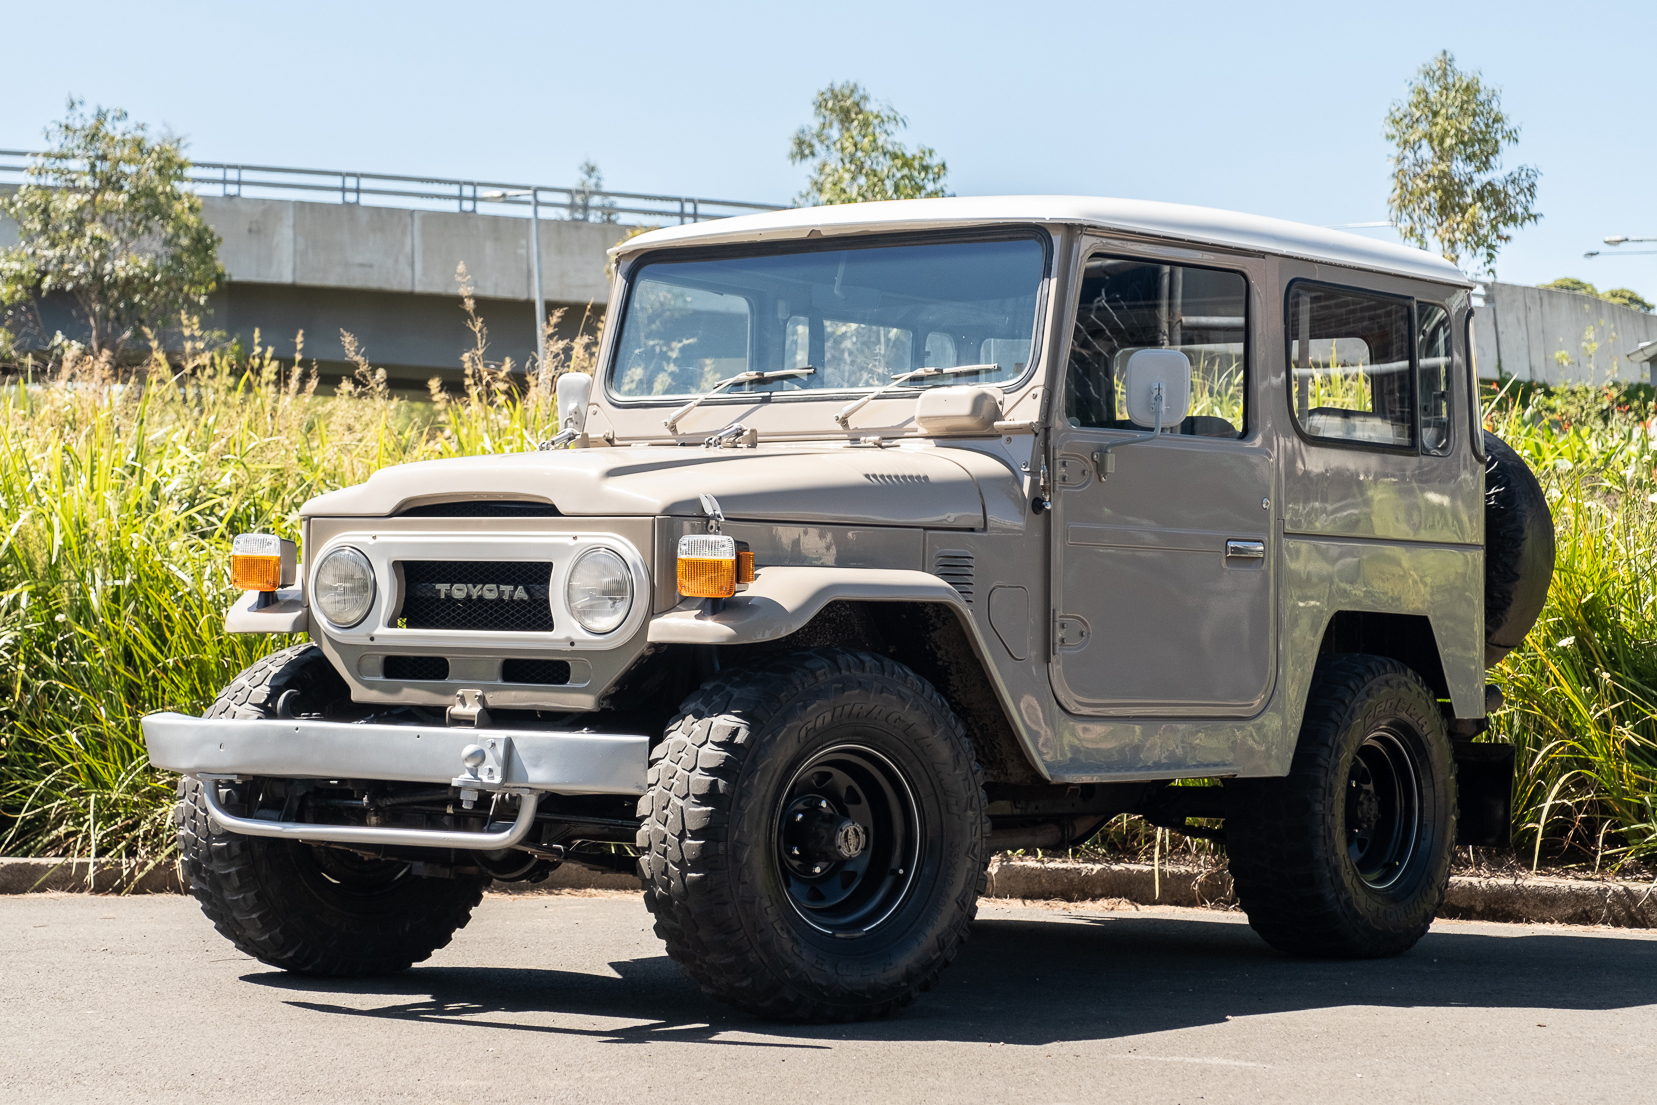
{"points": [[856, 157], [588, 204], [104, 218], [1449, 134], [1572, 284], [1627, 297], [1622, 297]]}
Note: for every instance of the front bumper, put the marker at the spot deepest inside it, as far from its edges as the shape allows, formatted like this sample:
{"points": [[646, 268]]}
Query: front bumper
{"points": [[559, 762], [523, 763]]}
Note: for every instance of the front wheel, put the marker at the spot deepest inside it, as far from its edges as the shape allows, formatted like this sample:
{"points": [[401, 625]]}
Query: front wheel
{"points": [[300, 907], [814, 836], [1349, 855]]}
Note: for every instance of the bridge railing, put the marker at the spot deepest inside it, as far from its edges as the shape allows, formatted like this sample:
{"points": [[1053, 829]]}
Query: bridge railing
{"points": [[436, 193]]}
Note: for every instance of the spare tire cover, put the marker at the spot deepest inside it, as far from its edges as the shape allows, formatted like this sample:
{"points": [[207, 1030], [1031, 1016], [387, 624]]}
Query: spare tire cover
{"points": [[1518, 549]]}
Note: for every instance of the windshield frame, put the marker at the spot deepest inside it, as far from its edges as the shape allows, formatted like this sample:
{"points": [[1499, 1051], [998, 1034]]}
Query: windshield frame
{"points": [[835, 243]]}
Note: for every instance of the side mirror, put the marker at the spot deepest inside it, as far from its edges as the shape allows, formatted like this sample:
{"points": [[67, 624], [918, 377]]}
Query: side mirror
{"points": [[1157, 386], [574, 389], [1157, 378]]}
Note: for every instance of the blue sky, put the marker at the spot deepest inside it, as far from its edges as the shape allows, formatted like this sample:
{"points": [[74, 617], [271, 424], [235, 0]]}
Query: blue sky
{"points": [[1268, 108]]}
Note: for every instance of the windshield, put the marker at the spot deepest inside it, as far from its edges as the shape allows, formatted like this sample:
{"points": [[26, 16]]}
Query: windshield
{"points": [[854, 317]]}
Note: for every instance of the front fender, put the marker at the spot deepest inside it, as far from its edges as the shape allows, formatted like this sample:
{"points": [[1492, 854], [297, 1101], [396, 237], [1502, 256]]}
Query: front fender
{"points": [[781, 600]]}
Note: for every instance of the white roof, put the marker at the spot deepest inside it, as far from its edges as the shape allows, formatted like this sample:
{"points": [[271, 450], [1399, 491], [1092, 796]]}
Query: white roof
{"points": [[1177, 221]]}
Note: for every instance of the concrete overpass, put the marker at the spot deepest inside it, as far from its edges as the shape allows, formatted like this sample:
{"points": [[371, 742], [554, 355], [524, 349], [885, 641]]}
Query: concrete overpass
{"points": [[318, 252]]}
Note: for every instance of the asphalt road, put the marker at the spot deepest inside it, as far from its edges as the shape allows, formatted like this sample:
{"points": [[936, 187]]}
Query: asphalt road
{"points": [[557, 998]]}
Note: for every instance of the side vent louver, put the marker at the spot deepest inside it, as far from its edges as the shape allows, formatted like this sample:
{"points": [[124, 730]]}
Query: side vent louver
{"points": [[954, 567]]}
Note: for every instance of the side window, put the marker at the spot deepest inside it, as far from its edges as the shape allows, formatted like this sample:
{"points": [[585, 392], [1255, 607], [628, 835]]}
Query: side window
{"points": [[1432, 353], [1475, 416], [1349, 363], [1129, 305]]}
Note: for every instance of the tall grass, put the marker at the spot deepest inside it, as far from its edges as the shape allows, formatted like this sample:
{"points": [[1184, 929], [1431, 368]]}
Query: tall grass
{"points": [[1582, 689], [119, 496]]}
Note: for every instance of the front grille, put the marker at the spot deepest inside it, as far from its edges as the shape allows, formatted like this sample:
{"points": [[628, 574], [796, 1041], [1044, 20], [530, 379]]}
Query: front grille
{"points": [[483, 508], [416, 669], [547, 673], [499, 596], [954, 567]]}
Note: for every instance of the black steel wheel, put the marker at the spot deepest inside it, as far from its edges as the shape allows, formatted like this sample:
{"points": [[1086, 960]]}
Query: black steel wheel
{"points": [[814, 838], [1349, 854], [1383, 809], [848, 839]]}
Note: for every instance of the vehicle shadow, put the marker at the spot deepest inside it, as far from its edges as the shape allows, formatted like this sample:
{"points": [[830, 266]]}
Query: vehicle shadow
{"points": [[1040, 981]]}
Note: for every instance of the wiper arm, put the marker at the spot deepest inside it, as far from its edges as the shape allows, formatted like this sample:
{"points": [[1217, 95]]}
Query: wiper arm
{"points": [[902, 378], [672, 420]]}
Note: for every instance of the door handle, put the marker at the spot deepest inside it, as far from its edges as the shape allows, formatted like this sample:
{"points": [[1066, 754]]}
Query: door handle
{"points": [[1245, 550]]}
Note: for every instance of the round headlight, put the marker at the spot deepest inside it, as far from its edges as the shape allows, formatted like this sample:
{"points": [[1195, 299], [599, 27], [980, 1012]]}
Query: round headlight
{"points": [[600, 591], [344, 587]]}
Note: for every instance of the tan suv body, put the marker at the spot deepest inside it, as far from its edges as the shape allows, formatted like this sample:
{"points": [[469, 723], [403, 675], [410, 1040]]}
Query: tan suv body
{"points": [[1121, 482]]}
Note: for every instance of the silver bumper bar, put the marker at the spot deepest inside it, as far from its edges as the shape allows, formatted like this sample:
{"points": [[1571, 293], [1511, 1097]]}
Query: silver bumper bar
{"points": [[524, 762], [534, 759]]}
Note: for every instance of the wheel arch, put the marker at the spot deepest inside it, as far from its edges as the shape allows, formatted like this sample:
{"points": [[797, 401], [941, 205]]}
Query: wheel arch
{"points": [[912, 617], [1407, 638]]}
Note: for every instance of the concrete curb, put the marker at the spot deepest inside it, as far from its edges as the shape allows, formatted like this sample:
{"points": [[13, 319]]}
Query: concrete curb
{"points": [[1537, 900], [23, 876]]}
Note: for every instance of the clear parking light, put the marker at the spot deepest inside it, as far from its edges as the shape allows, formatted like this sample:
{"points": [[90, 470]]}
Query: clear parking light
{"points": [[344, 587], [600, 591]]}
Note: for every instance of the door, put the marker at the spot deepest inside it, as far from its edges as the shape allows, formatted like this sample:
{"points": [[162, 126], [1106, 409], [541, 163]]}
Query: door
{"points": [[1164, 567]]}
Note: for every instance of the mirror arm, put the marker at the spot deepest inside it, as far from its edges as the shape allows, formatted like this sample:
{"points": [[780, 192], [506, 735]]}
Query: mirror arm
{"points": [[1104, 458]]}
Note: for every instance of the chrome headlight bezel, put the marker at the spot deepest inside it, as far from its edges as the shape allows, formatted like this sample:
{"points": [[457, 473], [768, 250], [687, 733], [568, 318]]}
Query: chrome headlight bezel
{"points": [[340, 557], [621, 574]]}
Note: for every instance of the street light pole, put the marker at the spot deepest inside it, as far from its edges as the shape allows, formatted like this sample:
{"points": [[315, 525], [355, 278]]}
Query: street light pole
{"points": [[534, 195], [535, 278]]}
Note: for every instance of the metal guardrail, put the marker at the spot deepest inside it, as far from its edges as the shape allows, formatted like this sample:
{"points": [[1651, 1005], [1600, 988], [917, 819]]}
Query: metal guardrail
{"points": [[436, 193]]}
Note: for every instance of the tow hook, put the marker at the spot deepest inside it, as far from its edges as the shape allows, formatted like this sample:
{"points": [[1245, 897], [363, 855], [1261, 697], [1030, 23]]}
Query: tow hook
{"points": [[470, 711]]}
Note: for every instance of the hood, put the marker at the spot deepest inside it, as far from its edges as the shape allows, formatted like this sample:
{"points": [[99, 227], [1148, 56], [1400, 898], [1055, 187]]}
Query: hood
{"points": [[858, 486]]}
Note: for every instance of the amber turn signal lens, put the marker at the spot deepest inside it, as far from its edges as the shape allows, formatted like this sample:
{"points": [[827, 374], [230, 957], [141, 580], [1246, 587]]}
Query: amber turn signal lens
{"points": [[744, 563], [256, 573], [707, 579], [707, 566]]}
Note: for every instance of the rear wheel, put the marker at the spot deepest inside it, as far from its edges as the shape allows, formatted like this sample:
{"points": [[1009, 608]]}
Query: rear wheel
{"points": [[1349, 855], [814, 836], [300, 907]]}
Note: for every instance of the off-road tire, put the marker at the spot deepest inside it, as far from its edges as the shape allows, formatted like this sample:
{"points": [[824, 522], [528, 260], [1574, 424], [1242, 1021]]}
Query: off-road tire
{"points": [[258, 691], [294, 906], [711, 841], [1288, 839]]}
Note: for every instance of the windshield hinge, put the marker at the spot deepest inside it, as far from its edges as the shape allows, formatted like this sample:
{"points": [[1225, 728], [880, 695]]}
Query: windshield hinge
{"points": [[736, 436]]}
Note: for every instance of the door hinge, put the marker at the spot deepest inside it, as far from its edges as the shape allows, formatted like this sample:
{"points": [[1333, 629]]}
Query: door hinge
{"points": [[1072, 471], [1069, 631]]}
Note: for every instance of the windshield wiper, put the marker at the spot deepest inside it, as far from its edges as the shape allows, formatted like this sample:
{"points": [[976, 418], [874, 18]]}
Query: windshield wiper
{"points": [[672, 420], [902, 378]]}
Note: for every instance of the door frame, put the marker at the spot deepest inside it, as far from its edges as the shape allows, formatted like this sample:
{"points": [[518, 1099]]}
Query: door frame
{"points": [[1260, 272]]}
